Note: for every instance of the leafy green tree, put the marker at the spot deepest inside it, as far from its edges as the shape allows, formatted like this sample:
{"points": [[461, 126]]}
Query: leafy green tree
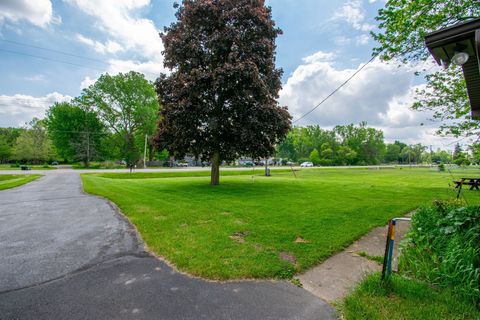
{"points": [[33, 145], [441, 156], [11, 134], [407, 155], [345, 155], [326, 150], [287, 148], [459, 157], [162, 155], [372, 150], [402, 28], [76, 131], [475, 148], [400, 144], [392, 153], [127, 105], [418, 150], [368, 143], [8, 137], [220, 100], [315, 157], [5, 150], [344, 145]]}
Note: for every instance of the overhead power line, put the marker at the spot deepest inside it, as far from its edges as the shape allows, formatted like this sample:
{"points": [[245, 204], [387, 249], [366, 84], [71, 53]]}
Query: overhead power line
{"points": [[420, 14], [106, 63], [54, 50], [50, 59], [337, 89]]}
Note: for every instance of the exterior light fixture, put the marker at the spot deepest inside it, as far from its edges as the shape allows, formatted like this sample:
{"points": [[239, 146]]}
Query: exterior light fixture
{"points": [[460, 58], [460, 45]]}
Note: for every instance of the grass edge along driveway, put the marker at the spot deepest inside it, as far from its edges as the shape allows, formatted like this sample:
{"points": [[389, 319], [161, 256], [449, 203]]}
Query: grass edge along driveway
{"points": [[263, 227], [8, 181]]}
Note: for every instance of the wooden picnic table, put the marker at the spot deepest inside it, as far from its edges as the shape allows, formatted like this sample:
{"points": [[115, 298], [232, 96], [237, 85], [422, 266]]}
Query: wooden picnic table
{"points": [[474, 183]]}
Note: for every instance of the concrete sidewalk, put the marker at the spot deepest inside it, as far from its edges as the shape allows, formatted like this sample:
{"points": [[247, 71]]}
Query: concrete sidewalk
{"points": [[333, 279]]}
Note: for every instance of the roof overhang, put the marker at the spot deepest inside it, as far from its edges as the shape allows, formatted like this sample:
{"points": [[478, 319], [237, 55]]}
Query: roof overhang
{"points": [[444, 43]]}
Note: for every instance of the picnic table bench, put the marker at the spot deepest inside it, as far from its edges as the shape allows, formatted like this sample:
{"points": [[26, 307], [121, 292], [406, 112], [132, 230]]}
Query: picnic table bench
{"points": [[474, 183]]}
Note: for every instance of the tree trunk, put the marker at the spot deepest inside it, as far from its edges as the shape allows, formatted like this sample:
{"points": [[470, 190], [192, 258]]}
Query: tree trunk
{"points": [[215, 173], [151, 152]]}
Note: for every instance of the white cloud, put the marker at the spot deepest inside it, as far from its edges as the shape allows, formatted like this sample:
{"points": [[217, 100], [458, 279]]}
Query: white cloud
{"points": [[108, 47], [35, 78], [362, 39], [127, 32], [37, 12], [151, 69], [87, 82], [118, 19], [18, 109], [380, 94], [354, 13], [319, 56], [342, 41]]}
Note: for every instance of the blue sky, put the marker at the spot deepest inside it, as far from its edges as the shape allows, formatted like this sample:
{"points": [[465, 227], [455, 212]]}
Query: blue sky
{"points": [[323, 43]]}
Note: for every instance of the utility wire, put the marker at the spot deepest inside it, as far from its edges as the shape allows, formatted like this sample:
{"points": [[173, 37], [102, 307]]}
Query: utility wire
{"points": [[337, 89], [424, 11], [107, 63], [49, 59], [54, 50]]}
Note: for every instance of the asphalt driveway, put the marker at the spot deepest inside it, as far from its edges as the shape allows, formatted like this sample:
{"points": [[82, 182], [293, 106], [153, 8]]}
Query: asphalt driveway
{"points": [[68, 255]]}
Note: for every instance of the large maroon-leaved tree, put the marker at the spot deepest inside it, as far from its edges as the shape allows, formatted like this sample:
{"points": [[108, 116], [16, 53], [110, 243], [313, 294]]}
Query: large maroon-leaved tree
{"points": [[220, 100]]}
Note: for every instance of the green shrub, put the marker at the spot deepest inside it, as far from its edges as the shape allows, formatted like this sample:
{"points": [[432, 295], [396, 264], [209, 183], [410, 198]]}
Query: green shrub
{"points": [[441, 167], [108, 165], [404, 299], [443, 248]]}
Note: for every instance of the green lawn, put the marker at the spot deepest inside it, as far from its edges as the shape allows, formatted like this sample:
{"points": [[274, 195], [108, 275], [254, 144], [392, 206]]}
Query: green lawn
{"points": [[269, 227], [8, 181], [403, 299]]}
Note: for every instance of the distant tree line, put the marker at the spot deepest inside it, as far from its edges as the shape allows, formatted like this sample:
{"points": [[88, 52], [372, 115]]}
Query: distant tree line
{"points": [[73, 132], [360, 145], [29, 144], [111, 119]]}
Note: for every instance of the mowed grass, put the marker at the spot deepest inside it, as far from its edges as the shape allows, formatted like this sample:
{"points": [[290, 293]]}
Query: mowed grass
{"points": [[404, 299], [266, 227], [8, 181]]}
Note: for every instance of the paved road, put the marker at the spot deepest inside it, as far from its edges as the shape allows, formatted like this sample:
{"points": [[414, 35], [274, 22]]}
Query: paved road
{"points": [[67, 255], [258, 169]]}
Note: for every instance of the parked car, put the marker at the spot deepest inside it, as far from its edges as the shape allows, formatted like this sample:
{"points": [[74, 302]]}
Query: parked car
{"points": [[183, 164], [306, 164], [55, 163]]}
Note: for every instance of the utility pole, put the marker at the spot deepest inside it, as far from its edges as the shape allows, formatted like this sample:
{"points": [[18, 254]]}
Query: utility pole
{"points": [[145, 153], [88, 149]]}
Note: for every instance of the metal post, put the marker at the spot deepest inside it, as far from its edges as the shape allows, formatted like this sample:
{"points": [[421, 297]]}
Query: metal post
{"points": [[387, 258], [387, 250], [390, 248]]}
